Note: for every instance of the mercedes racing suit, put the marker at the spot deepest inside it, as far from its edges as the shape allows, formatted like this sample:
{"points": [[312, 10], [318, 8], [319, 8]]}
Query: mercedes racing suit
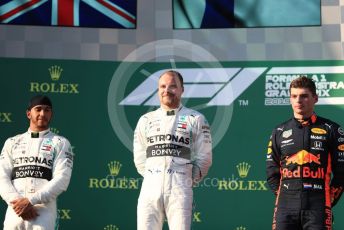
{"points": [[172, 150], [37, 166], [305, 169]]}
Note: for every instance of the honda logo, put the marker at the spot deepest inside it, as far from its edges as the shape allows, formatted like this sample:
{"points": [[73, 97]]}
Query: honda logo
{"points": [[317, 144]]}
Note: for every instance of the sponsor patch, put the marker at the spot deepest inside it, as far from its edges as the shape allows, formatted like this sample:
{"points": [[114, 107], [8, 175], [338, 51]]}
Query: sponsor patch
{"points": [[182, 118], [286, 141], [287, 133], [315, 137], [303, 157], [318, 131], [182, 122], [33, 171], [69, 155], [317, 186], [341, 147], [168, 150], [340, 156], [168, 137], [340, 131], [205, 129], [317, 145], [154, 124]]}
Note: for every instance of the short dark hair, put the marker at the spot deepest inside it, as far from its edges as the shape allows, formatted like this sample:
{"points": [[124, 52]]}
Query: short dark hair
{"points": [[303, 82], [176, 73]]}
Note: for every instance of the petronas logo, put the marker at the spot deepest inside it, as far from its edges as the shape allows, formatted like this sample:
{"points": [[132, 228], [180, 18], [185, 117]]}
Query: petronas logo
{"points": [[114, 167], [243, 169], [55, 72], [111, 227]]}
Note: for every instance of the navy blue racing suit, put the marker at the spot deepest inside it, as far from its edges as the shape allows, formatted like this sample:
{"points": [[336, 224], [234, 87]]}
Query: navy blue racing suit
{"points": [[305, 169]]}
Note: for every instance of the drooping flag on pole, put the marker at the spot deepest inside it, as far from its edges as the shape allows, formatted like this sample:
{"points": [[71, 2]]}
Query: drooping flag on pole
{"points": [[80, 13], [190, 14]]}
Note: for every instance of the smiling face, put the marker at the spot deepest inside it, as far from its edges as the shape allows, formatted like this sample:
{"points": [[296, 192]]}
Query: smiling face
{"points": [[170, 90], [302, 101], [39, 117]]}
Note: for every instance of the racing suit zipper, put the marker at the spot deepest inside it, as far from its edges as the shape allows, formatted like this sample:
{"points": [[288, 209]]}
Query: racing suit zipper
{"points": [[303, 147], [165, 184], [36, 142], [301, 168], [27, 187]]}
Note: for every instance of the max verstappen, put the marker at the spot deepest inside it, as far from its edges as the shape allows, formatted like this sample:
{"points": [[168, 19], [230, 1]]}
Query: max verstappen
{"points": [[172, 151], [35, 167], [305, 164]]}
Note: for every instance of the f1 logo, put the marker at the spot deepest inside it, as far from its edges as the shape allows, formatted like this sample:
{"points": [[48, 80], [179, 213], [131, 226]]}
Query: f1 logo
{"points": [[222, 86]]}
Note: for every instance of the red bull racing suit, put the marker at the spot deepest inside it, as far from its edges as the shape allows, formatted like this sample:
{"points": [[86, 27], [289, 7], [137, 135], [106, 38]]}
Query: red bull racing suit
{"points": [[305, 169], [37, 166], [172, 150]]}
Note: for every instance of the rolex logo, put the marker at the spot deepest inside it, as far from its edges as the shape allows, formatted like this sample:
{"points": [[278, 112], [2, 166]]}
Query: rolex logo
{"points": [[111, 227], [113, 182], [55, 72], [114, 167], [243, 169], [54, 86], [240, 228], [238, 184]]}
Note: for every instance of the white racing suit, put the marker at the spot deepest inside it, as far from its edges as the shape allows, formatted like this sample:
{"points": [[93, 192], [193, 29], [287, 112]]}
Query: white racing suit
{"points": [[37, 166], [172, 151]]}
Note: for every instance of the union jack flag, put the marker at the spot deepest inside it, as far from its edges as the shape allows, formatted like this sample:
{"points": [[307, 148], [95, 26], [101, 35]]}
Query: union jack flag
{"points": [[82, 13]]}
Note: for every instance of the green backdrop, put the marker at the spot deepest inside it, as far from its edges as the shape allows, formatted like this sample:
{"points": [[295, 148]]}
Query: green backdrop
{"points": [[97, 105]]}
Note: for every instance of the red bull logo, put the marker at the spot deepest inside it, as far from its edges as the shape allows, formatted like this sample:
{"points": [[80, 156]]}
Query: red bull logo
{"points": [[306, 173], [300, 158], [303, 157]]}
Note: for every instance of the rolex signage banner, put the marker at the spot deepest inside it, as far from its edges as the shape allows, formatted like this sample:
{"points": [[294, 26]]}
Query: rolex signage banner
{"points": [[97, 105]]}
